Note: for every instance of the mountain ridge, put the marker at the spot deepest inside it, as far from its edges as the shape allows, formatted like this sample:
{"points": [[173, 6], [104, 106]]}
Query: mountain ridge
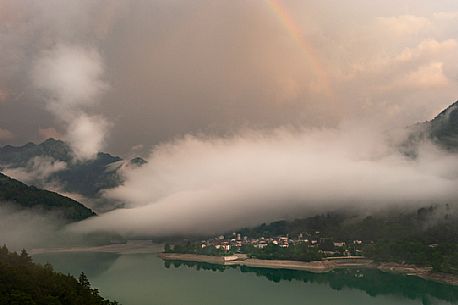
{"points": [[444, 128], [23, 196], [84, 177]]}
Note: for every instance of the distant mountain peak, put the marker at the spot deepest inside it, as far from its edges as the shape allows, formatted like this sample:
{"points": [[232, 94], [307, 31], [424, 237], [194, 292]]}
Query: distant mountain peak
{"points": [[52, 141], [86, 177]]}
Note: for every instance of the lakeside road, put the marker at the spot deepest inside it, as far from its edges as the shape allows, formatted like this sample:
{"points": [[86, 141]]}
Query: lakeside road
{"points": [[317, 266]]}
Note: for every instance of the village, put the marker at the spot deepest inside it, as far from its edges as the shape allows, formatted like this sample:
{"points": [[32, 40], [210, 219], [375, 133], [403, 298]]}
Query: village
{"points": [[236, 243]]}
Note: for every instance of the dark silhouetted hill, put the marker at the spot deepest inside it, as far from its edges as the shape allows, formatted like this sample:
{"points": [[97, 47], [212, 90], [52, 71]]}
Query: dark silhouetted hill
{"points": [[22, 196]]}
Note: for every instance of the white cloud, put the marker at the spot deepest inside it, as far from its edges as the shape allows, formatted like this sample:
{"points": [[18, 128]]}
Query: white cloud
{"points": [[23, 229], [37, 169], [87, 135], [197, 185], [71, 75], [72, 79]]}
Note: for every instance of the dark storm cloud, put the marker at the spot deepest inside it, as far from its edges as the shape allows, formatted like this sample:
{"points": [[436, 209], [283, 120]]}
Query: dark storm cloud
{"points": [[176, 67]]}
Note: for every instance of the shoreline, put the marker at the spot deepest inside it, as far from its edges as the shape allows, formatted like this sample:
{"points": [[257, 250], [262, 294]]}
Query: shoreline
{"points": [[317, 266], [130, 247], [146, 247], [241, 260]]}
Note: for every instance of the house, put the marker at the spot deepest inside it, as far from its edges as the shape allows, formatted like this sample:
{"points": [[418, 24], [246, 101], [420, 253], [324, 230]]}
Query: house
{"points": [[283, 242], [262, 244], [226, 246], [339, 244]]}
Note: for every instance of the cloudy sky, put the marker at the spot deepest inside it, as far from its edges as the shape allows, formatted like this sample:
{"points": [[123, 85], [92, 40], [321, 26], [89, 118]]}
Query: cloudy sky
{"points": [[126, 75], [247, 111]]}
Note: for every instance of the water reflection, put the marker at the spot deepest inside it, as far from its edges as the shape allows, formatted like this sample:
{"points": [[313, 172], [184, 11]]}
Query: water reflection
{"points": [[372, 282], [93, 264]]}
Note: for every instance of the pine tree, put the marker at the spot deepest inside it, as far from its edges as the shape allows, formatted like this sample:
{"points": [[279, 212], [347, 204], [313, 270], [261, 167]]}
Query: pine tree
{"points": [[84, 281], [25, 256]]}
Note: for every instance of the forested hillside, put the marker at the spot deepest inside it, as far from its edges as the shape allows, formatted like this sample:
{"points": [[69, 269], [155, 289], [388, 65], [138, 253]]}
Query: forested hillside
{"points": [[23, 282], [22, 196], [425, 237]]}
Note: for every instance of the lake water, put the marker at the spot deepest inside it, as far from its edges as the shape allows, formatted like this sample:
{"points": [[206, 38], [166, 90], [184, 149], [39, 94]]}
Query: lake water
{"points": [[144, 279]]}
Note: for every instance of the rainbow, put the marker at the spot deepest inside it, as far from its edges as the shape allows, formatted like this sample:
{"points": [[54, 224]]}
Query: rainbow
{"points": [[321, 75]]}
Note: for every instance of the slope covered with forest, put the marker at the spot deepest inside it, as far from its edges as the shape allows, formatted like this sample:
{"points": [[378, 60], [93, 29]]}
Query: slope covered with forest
{"points": [[21, 196], [23, 282]]}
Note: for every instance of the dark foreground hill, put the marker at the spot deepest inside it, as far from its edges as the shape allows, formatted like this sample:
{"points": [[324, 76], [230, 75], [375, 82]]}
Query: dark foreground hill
{"points": [[23, 282], [22, 196]]}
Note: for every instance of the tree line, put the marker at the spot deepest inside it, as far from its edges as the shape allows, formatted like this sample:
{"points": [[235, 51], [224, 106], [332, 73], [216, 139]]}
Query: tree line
{"points": [[22, 282]]}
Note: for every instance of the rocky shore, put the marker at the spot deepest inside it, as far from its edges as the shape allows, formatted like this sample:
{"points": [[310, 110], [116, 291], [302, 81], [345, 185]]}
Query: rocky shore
{"points": [[317, 266], [200, 258], [242, 260], [423, 272]]}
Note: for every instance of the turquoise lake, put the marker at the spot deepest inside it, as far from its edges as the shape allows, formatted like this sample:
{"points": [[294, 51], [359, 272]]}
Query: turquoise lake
{"points": [[144, 279]]}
